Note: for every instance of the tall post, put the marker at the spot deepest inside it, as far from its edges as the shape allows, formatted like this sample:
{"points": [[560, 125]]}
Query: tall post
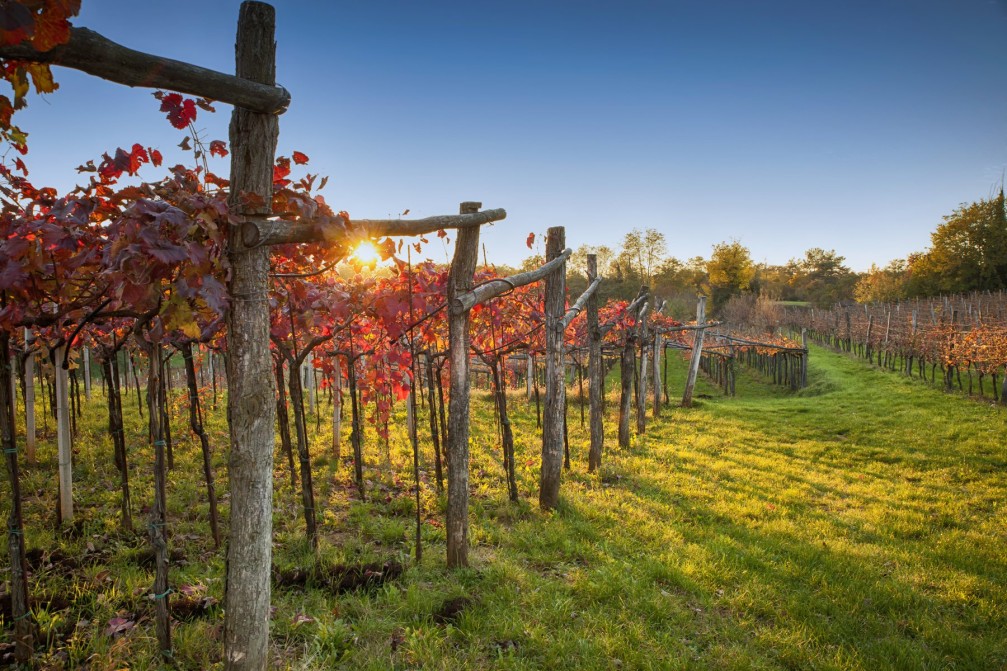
{"points": [[555, 389], [463, 267], [63, 439], [658, 356], [250, 402], [626, 367], [641, 392], [29, 396], [529, 382], [807, 355], [87, 373], [337, 408], [594, 372], [697, 352]]}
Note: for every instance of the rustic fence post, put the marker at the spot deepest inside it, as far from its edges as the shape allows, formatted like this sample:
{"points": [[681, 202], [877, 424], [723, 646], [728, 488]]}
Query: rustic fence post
{"points": [[697, 352], [29, 397], [63, 437], [463, 268], [555, 390], [641, 391], [87, 373], [250, 402], [807, 355], [594, 372], [658, 356]]}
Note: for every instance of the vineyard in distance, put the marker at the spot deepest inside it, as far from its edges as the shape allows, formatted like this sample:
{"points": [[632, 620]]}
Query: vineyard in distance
{"points": [[242, 429]]}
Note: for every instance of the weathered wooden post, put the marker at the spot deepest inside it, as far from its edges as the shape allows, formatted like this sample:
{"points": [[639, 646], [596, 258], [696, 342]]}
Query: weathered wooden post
{"points": [[658, 356], [21, 617], [250, 404], [463, 268], [531, 375], [627, 366], [697, 352], [594, 372], [87, 373], [29, 396], [807, 356], [555, 391], [337, 408], [641, 391], [63, 437]]}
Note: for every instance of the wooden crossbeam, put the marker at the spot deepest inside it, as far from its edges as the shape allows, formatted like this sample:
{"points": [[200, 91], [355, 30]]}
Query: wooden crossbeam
{"points": [[97, 55], [260, 232], [494, 288]]}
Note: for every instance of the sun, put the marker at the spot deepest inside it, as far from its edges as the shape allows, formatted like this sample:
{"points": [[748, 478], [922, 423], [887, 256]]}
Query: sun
{"points": [[366, 253]]}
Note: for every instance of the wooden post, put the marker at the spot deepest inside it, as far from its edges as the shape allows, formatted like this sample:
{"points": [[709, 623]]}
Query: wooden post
{"points": [[17, 580], [250, 401], [594, 372], [626, 367], [555, 385], [87, 373], [658, 356], [463, 268], [531, 375], [156, 528], [867, 345], [29, 397], [63, 439], [337, 409], [641, 392], [697, 352], [807, 356]]}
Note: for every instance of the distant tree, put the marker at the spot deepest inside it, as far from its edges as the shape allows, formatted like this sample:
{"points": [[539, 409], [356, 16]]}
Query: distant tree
{"points": [[882, 285], [822, 278], [642, 254], [968, 252], [730, 270], [776, 282]]}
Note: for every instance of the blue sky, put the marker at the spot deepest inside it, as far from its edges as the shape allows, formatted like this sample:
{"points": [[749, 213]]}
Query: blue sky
{"points": [[852, 126]]}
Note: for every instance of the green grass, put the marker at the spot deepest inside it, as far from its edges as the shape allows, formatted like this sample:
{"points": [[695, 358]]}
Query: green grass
{"points": [[857, 524]]}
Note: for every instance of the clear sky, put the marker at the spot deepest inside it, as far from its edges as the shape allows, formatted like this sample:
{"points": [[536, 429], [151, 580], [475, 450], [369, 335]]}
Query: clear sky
{"points": [[853, 125]]}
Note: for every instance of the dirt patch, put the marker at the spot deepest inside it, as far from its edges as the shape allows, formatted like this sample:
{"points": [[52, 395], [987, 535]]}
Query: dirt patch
{"points": [[340, 578]]}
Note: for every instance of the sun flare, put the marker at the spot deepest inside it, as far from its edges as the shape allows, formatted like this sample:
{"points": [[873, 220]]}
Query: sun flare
{"points": [[366, 253]]}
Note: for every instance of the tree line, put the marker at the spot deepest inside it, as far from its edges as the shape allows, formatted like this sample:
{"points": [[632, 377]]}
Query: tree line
{"points": [[968, 252]]}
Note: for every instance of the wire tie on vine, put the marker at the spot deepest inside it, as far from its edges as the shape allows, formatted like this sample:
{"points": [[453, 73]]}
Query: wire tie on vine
{"points": [[164, 594], [10, 450], [159, 443], [22, 617]]}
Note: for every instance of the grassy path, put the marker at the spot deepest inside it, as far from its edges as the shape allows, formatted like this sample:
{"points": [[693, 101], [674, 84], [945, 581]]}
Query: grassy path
{"points": [[855, 526]]}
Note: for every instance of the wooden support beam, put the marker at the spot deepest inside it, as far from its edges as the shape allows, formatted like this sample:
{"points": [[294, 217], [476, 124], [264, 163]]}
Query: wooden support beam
{"points": [[494, 288], [97, 55], [258, 232], [576, 308]]}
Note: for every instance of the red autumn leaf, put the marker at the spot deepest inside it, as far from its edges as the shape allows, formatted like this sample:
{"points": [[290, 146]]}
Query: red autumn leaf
{"points": [[299, 158], [181, 111], [531, 240], [442, 233], [218, 148], [155, 157], [280, 171]]}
